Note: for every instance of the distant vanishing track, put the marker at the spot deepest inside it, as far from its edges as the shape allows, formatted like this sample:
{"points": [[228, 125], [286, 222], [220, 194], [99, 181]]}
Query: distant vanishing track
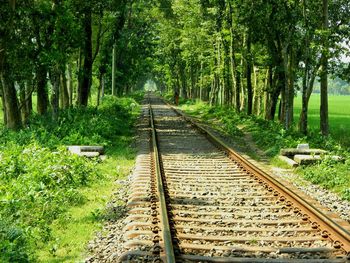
{"points": [[195, 200]]}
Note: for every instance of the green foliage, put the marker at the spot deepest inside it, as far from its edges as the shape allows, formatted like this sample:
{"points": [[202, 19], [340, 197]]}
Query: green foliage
{"points": [[13, 243], [138, 96], [40, 179], [271, 136], [331, 175], [37, 186], [79, 126], [346, 194]]}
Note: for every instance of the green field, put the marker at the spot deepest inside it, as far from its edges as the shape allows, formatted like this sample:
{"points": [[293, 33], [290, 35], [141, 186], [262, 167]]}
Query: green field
{"points": [[339, 115]]}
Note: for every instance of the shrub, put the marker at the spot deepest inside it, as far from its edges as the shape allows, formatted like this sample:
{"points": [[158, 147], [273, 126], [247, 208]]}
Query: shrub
{"points": [[13, 243]]}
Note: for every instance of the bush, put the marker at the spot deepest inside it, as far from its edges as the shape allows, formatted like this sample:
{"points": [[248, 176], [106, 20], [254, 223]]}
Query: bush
{"points": [[79, 126], [331, 175], [13, 243], [37, 186]]}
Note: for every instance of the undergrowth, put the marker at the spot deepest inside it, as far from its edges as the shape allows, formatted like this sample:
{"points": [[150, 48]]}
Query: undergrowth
{"points": [[87, 125], [40, 180], [331, 175]]}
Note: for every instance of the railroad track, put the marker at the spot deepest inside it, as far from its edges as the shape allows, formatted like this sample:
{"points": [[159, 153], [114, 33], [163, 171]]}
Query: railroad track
{"points": [[195, 200]]}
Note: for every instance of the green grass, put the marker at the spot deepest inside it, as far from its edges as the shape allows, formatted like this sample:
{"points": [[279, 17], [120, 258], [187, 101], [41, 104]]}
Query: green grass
{"points": [[339, 115], [52, 202], [75, 228]]}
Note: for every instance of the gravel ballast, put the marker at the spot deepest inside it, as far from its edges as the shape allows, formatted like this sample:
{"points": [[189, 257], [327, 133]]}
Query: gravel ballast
{"points": [[108, 244]]}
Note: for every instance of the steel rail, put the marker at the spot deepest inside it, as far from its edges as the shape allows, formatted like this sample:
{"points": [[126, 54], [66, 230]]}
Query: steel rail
{"points": [[337, 233], [168, 254]]}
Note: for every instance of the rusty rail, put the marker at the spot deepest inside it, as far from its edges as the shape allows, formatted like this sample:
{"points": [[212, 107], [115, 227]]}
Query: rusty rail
{"points": [[183, 188], [331, 229], [167, 254]]}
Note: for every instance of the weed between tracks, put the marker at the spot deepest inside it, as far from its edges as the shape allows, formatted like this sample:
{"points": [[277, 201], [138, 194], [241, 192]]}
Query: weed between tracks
{"points": [[270, 137], [51, 201]]}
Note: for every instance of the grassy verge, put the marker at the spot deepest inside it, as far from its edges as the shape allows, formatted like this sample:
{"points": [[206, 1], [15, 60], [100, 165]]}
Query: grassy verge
{"points": [[51, 202], [271, 137], [77, 226]]}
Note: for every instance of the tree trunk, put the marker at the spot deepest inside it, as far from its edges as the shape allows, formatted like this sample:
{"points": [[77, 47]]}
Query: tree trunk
{"points": [[193, 82], [84, 89], [99, 89], [238, 91], [303, 114], [212, 91], [249, 77], [103, 87], [23, 102], [219, 69], [183, 81], [13, 115], [226, 72], [42, 96], [324, 125], [3, 104], [201, 86], [276, 83], [257, 95], [308, 85], [64, 95], [228, 85], [291, 93], [114, 57], [288, 91], [268, 80], [282, 106], [236, 75], [70, 84], [29, 98], [243, 89], [80, 75], [55, 80], [303, 120]]}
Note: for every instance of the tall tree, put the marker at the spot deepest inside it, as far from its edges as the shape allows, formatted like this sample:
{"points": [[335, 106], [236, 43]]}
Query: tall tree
{"points": [[310, 63]]}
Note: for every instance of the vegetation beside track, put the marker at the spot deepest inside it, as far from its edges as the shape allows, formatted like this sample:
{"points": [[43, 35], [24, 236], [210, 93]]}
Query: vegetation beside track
{"points": [[271, 137], [51, 201]]}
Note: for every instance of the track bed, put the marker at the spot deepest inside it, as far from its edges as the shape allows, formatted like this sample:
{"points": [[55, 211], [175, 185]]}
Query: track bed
{"points": [[216, 207]]}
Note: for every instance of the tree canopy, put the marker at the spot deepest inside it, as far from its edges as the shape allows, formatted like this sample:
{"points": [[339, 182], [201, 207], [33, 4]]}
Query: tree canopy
{"points": [[251, 55]]}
